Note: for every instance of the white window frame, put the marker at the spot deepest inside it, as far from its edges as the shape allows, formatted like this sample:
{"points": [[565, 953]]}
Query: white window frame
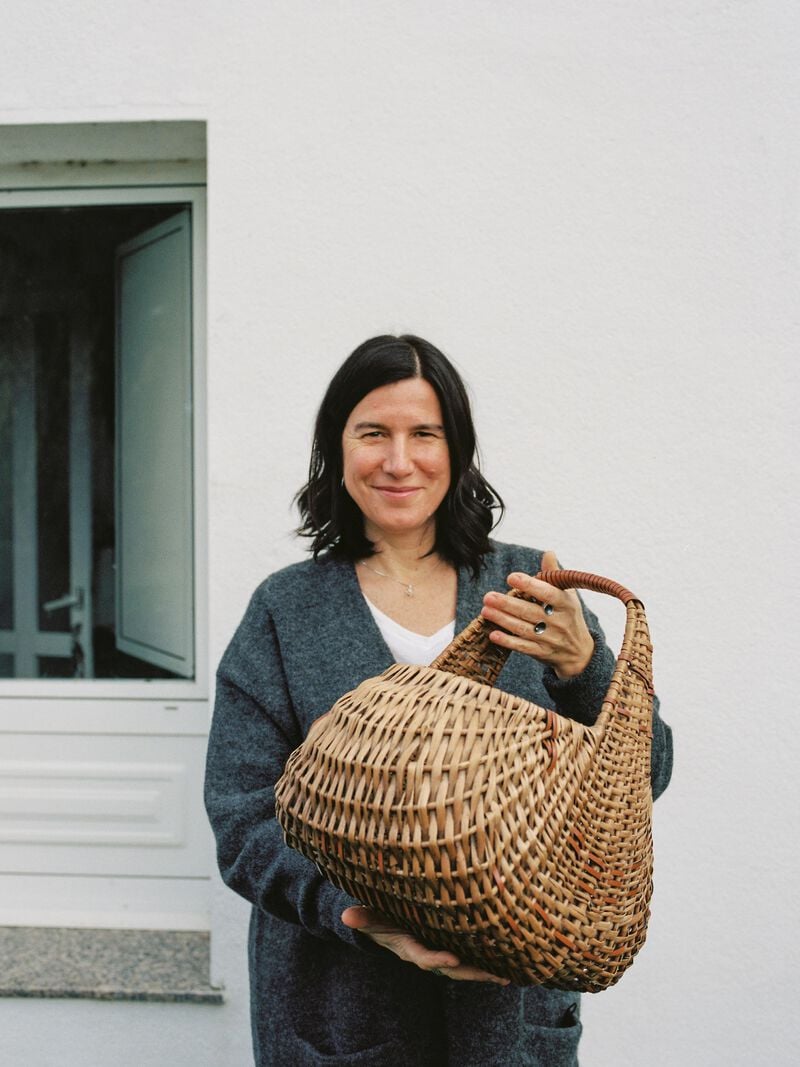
{"points": [[37, 690]]}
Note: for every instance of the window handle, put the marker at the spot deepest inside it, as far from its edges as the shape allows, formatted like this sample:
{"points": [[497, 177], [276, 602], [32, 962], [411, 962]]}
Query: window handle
{"points": [[69, 600]]}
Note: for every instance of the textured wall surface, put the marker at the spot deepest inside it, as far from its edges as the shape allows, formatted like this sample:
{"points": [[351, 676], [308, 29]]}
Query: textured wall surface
{"points": [[594, 209]]}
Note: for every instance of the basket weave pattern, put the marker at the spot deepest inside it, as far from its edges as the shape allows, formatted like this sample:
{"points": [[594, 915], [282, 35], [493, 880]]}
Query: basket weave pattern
{"points": [[516, 838]]}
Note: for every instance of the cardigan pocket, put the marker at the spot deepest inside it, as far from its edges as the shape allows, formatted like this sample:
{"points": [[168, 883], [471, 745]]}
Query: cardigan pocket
{"points": [[550, 1046], [551, 1028]]}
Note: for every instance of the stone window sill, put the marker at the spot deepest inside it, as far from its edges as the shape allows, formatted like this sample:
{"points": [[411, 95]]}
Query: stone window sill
{"points": [[155, 965]]}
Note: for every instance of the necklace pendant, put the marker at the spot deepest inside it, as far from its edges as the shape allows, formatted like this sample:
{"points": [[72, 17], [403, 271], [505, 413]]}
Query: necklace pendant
{"points": [[409, 589]]}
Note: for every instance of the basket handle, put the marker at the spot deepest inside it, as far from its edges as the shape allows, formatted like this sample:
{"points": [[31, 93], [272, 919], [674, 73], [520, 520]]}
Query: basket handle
{"points": [[472, 655]]}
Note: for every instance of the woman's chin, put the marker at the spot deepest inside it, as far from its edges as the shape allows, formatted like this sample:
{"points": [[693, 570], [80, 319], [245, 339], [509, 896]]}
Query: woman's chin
{"points": [[398, 525]]}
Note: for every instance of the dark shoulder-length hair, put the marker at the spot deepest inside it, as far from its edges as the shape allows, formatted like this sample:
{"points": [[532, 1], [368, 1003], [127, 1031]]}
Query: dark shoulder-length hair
{"points": [[331, 518]]}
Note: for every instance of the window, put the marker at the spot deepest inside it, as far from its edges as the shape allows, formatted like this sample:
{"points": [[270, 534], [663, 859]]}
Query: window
{"points": [[103, 664]]}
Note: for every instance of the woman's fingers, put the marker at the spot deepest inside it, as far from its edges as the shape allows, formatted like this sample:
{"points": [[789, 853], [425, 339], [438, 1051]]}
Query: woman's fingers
{"points": [[520, 617], [516, 616], [359, 917], [404, 945], [386, 933], [551, 628], [464, 973], [542, 591]]}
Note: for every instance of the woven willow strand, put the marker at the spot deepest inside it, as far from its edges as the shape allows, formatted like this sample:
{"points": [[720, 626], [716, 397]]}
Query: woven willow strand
{"points": [[516, 838]]}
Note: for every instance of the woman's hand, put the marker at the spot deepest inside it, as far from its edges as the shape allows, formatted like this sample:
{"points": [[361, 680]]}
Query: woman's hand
{"points": [[552, 630], [404, 945]]}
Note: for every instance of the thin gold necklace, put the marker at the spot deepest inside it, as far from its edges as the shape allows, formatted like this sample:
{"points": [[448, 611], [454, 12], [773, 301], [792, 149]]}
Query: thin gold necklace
{"points": [[408, 586]]}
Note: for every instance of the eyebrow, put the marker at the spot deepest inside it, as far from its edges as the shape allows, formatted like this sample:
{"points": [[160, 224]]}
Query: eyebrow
{"points": [[381, 426]]}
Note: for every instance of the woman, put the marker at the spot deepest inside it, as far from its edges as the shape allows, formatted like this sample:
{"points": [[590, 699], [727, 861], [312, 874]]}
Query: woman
{"points": [[399, 517]]}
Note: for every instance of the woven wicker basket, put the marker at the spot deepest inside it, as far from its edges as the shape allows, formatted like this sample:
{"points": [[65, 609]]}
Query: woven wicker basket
{"points": [[482, 823]]}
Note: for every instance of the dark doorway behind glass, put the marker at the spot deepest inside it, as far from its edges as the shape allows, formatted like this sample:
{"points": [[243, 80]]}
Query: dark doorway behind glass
{"points": [[61, 499]]}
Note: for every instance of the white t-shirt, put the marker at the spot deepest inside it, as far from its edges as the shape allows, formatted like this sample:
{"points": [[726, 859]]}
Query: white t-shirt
{"points": [[407, 646]]}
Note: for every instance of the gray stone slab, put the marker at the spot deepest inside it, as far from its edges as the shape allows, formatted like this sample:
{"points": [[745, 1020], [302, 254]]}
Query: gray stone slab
{"points": [[106, 964]]}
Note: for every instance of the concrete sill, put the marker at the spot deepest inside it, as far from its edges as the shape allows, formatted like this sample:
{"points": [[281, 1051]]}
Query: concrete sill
{"points": [[155, 965]]}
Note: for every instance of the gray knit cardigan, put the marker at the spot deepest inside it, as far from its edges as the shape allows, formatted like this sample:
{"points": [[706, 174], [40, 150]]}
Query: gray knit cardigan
{"points": [[321, 993]]}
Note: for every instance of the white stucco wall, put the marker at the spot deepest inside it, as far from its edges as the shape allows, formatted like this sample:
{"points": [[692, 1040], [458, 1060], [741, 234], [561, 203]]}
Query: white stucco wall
{"points": [[594, 209]]}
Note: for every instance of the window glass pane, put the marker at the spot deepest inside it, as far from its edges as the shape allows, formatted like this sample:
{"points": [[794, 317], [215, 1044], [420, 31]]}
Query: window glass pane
{"points": [[59, 450], [52, 466], [55, 667], [6, 460]]}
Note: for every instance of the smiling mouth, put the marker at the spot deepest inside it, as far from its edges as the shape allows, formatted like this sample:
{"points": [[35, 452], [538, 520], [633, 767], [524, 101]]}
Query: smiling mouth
{"points": [[393, 491]]}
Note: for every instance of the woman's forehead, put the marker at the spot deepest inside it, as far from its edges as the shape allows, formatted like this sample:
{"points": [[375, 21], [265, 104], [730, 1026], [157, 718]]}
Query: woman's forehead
{"points": [[410, 399]]}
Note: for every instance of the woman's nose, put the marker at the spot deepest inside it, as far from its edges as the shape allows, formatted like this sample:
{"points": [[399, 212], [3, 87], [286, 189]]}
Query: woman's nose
{"points": [[398, 459]]}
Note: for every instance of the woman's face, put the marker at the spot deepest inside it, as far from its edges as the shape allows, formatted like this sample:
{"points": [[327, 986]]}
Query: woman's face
{"points": [[396, 459]]}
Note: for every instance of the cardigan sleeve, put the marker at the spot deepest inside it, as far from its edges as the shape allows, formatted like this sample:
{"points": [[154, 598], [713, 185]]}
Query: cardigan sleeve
{"points": [[254, 729]]}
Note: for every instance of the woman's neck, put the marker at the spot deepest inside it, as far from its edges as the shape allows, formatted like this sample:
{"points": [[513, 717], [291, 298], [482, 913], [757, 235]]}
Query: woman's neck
{"points": [[404, 555], [408, 581]]}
